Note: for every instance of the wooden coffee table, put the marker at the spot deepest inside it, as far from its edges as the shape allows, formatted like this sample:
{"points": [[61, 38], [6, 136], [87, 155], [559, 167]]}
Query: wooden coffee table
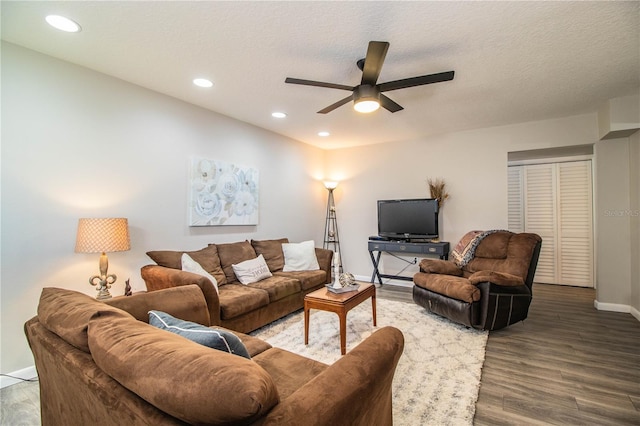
{"points": [[342, 303]]}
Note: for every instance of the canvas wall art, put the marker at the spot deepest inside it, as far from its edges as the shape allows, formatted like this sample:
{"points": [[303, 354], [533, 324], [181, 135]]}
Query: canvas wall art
{"points": [[222, 193]]}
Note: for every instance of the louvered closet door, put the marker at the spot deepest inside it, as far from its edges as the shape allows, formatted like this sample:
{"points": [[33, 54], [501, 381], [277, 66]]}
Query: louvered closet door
{"points": [[540, 217], [575, 225], [555, 201], [515, 199]]}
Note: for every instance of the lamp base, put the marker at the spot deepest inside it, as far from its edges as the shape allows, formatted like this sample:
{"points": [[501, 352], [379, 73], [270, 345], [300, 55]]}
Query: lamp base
{"points": [[103, 293], [103, 282]]}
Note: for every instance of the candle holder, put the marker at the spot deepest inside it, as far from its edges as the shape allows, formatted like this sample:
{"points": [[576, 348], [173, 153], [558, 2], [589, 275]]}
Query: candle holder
{"points": [[336, 270]]}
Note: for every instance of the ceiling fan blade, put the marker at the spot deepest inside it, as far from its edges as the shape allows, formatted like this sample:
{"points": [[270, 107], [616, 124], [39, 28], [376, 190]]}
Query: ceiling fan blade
{"points": [[389, 105], [336, 105], [317, 83], [416, 81], [373, 62]]}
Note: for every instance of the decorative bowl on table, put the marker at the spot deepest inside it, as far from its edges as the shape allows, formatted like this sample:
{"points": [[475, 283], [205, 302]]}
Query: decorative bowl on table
{"points": [[345, 283]]}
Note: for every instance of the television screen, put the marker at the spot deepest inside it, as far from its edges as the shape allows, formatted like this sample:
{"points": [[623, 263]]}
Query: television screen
{"points": [[408, 219]]}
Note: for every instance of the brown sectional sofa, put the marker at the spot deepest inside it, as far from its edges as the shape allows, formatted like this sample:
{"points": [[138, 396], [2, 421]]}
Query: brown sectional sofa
{"points": [[237, 306], [103, 364]]}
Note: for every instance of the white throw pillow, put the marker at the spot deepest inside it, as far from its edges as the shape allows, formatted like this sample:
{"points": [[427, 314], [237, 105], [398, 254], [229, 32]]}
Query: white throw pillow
{"points": [[252, 270], [300, 256], [190, 265]]}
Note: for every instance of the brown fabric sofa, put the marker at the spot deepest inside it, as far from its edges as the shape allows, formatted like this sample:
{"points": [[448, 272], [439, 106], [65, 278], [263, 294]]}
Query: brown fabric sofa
{"points": [[491, 291], [103, 364], [241, 307]]}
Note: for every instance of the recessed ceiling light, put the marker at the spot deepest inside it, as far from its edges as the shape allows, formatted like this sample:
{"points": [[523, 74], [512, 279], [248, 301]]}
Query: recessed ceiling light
{"points": [[63, 24], [323, 134], [278, 114], [202, 82]]}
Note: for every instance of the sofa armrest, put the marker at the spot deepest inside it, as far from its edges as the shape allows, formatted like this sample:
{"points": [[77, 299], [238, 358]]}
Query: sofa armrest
{"points": [[159, 277], [439, 266], [325, 257], [355, 390], [499, 278]]}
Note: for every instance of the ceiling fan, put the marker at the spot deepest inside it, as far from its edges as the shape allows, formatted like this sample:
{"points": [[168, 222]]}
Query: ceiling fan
{"points": [[367, 96]]}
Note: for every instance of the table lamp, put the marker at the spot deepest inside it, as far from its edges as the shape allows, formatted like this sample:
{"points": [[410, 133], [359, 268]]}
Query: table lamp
{"points": [[101, 236]]}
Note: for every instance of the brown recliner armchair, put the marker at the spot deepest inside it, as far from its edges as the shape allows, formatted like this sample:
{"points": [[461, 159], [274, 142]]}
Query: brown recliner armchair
{"points": [[488, 288]]}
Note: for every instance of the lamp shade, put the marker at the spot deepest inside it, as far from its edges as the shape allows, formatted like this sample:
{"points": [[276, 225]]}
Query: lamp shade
{"points": [[102, 235]]}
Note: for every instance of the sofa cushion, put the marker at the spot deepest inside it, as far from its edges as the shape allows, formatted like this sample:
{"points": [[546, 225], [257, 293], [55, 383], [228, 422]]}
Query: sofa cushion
{"points": [[288, 370], [455, 287], [190, 265], [438, 266], [207, 257], [308, 279], [300, 256], [186, 302], [272, 252], [519, 252], [252, 270], [237, 299], [278, 287], [219, 339], [193, 383], [234, 253], [494, 246], [67, 313]]}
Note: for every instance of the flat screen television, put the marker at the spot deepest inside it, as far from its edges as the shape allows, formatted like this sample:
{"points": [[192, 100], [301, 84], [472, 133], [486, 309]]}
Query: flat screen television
{"points": [[409, 219]]}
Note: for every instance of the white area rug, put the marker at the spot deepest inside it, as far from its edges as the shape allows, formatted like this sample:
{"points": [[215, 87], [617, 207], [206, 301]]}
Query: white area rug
{"points": [[438, 375]]}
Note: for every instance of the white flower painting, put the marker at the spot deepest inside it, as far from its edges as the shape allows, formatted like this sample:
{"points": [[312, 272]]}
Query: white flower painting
{"points": [[222, 193]]}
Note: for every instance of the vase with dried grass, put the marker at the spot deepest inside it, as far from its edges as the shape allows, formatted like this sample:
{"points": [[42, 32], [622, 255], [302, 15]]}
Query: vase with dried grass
{"points": [[438, 189]]}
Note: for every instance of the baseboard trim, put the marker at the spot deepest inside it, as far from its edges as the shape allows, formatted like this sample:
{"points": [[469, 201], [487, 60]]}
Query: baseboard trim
{"points": [[635, 313], [611, 307], [18, 376], [617, 307]]}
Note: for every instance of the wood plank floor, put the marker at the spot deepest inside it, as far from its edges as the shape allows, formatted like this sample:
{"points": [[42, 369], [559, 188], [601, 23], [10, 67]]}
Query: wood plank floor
{"points": [[567, 364]]}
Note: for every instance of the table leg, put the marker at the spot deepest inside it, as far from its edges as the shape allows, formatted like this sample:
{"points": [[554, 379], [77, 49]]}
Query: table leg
{"points": [[343, 332], [376, 262], [373, 308], [306, 324]]}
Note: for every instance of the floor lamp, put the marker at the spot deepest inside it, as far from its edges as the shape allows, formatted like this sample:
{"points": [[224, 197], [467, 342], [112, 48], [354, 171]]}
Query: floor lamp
{"points": [[331, 238]]}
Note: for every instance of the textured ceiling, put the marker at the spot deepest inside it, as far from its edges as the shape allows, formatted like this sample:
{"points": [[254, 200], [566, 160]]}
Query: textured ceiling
{"points": [[514, 61]]}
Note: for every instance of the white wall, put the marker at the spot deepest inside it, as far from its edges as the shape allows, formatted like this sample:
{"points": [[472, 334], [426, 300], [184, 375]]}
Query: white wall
{"points": [[613, 244], [472, 163], [76, 143]]}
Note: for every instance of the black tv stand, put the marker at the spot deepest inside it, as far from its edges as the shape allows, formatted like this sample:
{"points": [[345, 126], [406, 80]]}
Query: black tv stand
{"points": [[440, 249]]}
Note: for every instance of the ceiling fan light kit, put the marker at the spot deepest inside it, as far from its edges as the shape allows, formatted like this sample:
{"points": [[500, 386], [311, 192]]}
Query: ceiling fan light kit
{"points": [[367, 96]]}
